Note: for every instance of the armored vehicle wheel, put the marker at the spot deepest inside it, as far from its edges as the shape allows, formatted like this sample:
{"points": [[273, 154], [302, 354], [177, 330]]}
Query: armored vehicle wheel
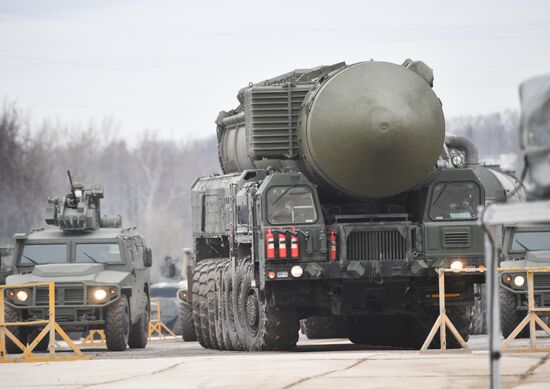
{"points": [[203, 305], [44, 342], [212, 304], [264, 327], [139, 331], [460, 316], [229, 317], [20, 332], [117, 324], [324, 327], [510, 316], [186, 322], [221, 265], [479, 321], [196, 305]]}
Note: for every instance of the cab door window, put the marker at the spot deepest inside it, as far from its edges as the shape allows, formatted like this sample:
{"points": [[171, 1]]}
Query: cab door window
{"points": [[291, 205], [455, 201]]}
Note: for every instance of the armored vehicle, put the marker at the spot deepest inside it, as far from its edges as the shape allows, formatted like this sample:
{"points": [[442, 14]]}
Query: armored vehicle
{"points": [[523, 246], [340, 197], [101, 273]]}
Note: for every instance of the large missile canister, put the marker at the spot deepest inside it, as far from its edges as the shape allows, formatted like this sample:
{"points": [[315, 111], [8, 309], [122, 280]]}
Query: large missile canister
{"points": [[373, 130], [369, 130]]}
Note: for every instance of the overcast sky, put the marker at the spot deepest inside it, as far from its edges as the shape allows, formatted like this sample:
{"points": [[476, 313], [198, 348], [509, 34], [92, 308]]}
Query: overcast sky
{"points": [[171, 66]]}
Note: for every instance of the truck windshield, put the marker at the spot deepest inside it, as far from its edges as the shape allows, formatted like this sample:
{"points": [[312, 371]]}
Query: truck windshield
{"points": [[40, 254], [530, 241], [98, 252], [454, 201], [291, 205]]}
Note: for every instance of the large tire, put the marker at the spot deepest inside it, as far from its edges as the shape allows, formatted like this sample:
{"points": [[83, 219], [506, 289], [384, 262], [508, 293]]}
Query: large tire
{"points": [[186, 321], [203, 306], [479, 314], [510, 316], [197, 300], [221, 336], [460, 316], [20, 332], [44, 342], [229, 316], [264, 327], [117, 324], [324, 327], [140, 330], [216, 341]]}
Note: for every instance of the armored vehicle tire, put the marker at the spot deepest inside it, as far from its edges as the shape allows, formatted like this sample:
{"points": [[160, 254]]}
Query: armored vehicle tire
{"points": [[195, 307], [230, 326], [44, 342], [186, 322], [221, 331], [140, 330], [264, 327], [117, 324], [510, 316], [324, 327], [479, 320], [460, 316], [212, 304], [203, 303], [19, 332]]}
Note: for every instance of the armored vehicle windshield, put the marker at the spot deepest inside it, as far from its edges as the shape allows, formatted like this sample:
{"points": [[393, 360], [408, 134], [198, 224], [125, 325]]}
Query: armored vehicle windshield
{"points": [[455, 201], [291, 205], [523, 241]]}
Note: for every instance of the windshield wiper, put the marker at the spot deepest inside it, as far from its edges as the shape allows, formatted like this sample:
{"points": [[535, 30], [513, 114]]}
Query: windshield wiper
{"points": [[30, 259], [440, 193], [89, 256], [521, 244], [284, 193]]}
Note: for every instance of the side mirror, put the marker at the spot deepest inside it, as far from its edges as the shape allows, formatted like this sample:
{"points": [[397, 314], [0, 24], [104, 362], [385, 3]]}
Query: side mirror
{"points": [[147, 257]]}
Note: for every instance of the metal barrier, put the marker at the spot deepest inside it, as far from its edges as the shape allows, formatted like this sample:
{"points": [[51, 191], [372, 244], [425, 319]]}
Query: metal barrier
{"points": [[532, 318], [51, 328], [91, 341], [156, 325]]}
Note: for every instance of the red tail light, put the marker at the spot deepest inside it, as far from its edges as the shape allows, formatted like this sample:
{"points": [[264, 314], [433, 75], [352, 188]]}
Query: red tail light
{"points": [[332, 246], [294, 245], [269, 244]]}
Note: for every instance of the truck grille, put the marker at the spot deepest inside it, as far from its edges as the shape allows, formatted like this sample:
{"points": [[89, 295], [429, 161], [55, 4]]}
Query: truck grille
{"points": [[71, 296], [376, 246], [542, 281], [456, 239]]}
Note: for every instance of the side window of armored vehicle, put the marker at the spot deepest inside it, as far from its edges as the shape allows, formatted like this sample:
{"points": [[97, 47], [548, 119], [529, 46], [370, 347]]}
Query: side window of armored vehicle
{"points": [[242, 210], [523, 241], [98, 252], [39, 254], [291, 205], [455, 201]]}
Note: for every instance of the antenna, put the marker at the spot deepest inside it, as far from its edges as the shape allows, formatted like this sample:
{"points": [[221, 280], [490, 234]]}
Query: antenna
{"points": [[72, 187]]}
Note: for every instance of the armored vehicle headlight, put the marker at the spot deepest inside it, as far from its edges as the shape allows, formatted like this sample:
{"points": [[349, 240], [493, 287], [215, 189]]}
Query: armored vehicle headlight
{"points": [[457, 265], [183, 294], [296, 271], [22, 295], [507, 278], [100, 294], [519, 281]]}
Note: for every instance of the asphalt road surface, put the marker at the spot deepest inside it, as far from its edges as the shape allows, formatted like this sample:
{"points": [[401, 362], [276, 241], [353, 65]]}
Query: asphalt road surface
{"points": [[317, 364]]}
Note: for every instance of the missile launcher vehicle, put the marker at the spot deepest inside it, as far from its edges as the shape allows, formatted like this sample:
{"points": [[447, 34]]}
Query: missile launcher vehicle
{"points": [[340, 196], [101, 273]]}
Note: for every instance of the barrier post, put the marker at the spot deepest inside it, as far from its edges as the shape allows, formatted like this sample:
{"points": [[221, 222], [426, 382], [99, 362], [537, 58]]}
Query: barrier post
{"points": [[156, 325]]}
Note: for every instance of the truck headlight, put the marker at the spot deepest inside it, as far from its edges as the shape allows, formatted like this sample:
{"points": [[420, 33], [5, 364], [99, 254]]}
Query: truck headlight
{"points": [[100, 294], [457, 265], [519, 281], [22, 295]]}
